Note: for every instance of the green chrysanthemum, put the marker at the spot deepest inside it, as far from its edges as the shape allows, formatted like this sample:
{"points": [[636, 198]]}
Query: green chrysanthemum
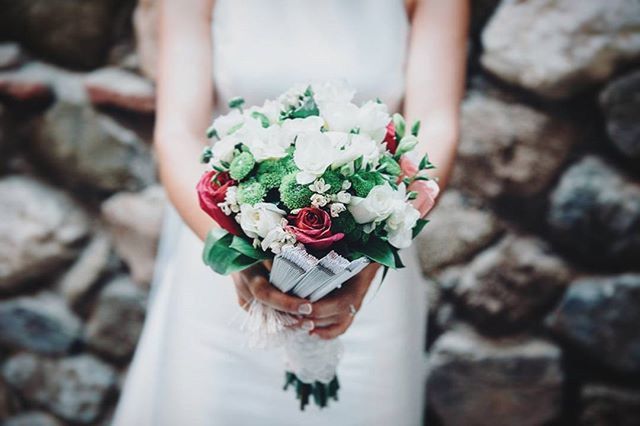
{"points": [[391, 166], [333, 178], [363, 182], [242, 165], [251, 192], [293, 195], [344, 223], [271, 172]]}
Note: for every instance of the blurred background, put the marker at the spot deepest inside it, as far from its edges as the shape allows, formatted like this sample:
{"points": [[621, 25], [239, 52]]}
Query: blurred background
{"points": [[533, 254]]}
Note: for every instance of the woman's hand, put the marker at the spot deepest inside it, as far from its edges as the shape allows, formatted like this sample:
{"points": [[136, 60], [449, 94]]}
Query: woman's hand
{"points": [[333, 315], [252, 283]]}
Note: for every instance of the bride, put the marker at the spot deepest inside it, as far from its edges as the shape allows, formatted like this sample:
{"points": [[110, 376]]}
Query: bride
{"points": [[192, 366]]}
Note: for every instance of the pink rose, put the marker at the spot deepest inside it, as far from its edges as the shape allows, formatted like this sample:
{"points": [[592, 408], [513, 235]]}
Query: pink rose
{"points": [[312, 227], [427, 190], [210, 193], [390, 138]]}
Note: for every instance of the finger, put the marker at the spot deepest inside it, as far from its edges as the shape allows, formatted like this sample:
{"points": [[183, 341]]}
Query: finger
{"points": [[268, 264], [329, 307], [243, 291], [264, 292], [329, 321], [333, 331], [244, 304]]}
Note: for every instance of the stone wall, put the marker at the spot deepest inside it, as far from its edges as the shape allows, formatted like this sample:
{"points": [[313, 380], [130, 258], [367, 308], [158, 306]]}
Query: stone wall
{"points": [[533, 254]]}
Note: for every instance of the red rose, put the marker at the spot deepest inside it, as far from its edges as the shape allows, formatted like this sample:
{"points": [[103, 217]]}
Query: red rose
{"points": [[390, 138], [312, 227], [210, 193]]}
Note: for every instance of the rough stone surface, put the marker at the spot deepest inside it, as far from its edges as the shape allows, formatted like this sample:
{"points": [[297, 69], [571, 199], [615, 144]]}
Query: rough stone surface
{"points": [[123, 89], [508, 148], [33, 418], [74, 388], [90, 150], [81, 277], [135, 220], [557, 47], [70, 32], [595, 213], [604, 405], [6, 136], [145, 22], [10, 55], [40, 229], [41, 324], [511, 283], [115, 325], [620, 103], [457, 230], [474, 381], [601, 317]]}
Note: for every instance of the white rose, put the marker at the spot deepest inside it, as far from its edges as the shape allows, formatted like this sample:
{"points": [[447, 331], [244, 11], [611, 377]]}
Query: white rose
{"points": [[400, 224], [313, 154], [340, 116], [338, 139], [358, 146], [266, 143], [373, 119], [333, 92], [376, 206], [222, 150], [256, 221], [228, 122], [292, 128]]}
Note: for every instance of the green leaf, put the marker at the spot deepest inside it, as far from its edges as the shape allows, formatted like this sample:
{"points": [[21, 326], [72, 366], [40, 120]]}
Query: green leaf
{"points": [[236, 102], [264, 120], [399, 124], [357, 164], [246, 248], [424, 162], [379, 251], [396, 256], [206, 155], [212, 132], [419, 225], [219, 255], [415, 129]]}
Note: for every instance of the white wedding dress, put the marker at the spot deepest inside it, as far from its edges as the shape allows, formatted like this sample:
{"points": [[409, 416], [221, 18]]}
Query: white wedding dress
{"points": [[192, 366]]}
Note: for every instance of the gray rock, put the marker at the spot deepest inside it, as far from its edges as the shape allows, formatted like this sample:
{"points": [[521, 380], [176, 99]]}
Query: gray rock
{"points": [[122, 89], [508, 148], [75, 388], [40, 230], [474, 381], [595, 213], [620, 103], [508, 286], [5, 400], [6, 136], [557, 47], [603, 405], [73, 33], [601, 317], [90, 150], [135, 220], [41, 324], [10, 55], [115, 325], [78, 281], [33, 418], [457, 230]]}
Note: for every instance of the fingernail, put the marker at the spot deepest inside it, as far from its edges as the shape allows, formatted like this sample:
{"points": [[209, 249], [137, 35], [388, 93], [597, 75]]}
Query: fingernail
{"points": [[305, 308], [307, 325]]}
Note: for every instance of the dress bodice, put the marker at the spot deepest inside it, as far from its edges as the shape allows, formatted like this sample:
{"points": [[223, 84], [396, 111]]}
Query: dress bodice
{"points": [[262, 47]]}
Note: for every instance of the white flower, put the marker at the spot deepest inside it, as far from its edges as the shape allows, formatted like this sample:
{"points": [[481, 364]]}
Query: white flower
{"points": [[277, 239], [271, 109], [343, 197], [358, 146], [336, 209], [400, 224], [338, 139], [222, 150], [256, 221], [313, 154], [373, 119], [346, 184], [319, 200], [378, 205], [319, 186], [291, 97], [225, 124], [230, 203], [292, 128], [329, 92], [265, 143]]}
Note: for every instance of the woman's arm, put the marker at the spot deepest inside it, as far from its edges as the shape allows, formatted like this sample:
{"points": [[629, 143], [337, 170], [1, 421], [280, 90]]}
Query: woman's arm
{"points": [[435, 78], [435, 83], [184, 105]]}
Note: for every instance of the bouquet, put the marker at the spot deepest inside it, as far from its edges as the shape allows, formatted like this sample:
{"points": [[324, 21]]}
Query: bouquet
{"points": [[320, 186]]}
